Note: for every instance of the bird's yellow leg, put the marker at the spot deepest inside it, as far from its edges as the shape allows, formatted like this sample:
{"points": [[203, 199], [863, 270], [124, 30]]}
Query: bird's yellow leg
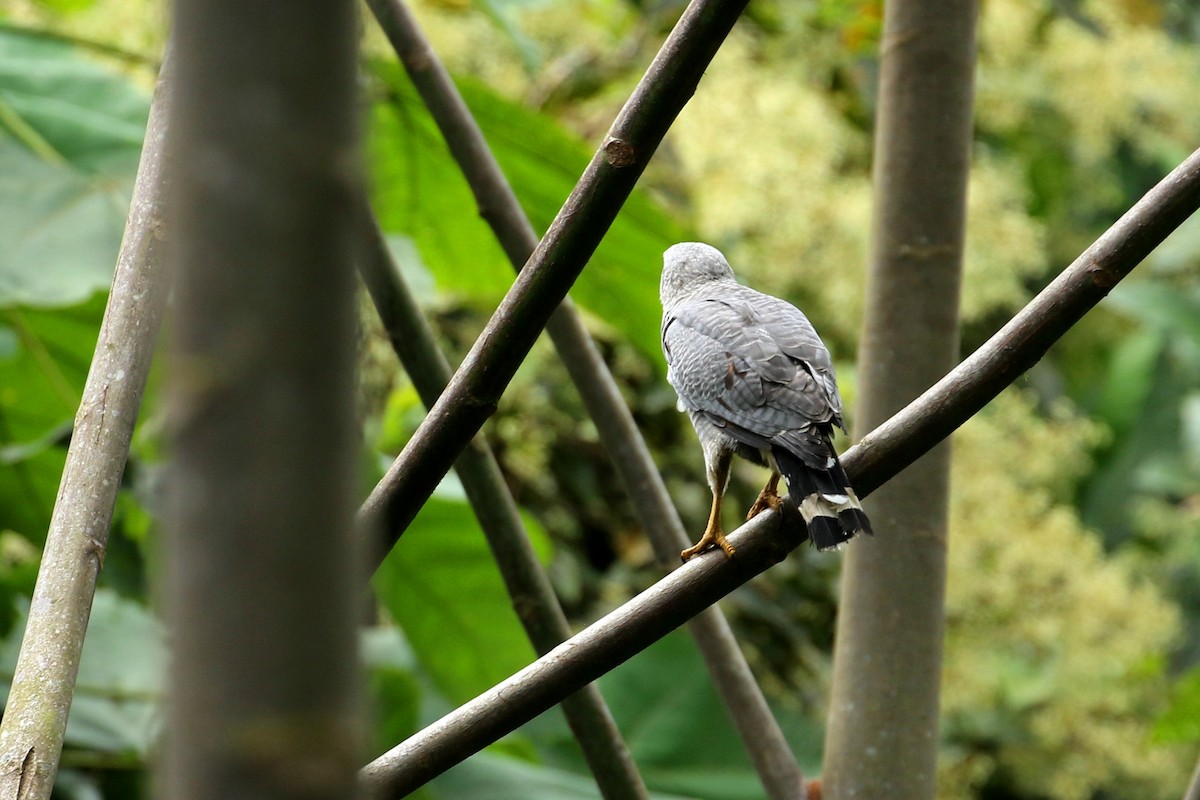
{"points": [[713, 535], [768, 498]]}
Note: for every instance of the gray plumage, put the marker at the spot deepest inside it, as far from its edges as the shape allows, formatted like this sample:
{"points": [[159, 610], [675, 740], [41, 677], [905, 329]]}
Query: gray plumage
{"points": [[757, 382]]}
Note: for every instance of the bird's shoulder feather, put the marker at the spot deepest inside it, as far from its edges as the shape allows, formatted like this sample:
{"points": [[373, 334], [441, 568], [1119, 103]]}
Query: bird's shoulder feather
{"points": [[751, 360]]}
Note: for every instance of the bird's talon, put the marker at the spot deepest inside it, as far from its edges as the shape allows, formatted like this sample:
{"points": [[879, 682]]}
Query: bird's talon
{"points": [[709, 540], [765, 502]]}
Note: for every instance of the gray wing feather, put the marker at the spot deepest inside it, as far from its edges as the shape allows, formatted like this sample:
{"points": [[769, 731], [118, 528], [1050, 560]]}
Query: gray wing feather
{"points": [[753, 364]]}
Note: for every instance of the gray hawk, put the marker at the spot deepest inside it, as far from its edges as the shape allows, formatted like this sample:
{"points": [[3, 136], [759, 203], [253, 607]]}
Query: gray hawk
{"points": [[757, 382]]}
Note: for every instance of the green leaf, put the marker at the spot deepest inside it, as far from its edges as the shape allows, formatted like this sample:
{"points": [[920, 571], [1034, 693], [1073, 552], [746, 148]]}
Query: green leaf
{"points": [[443, 589], [1179, 252], [421, 193], [1181, 721], [393, 687], [40, 387], [492, 777], [502, 16], [1131, 376], [118, 694], [1160, 305], [66, 6], [677, 728], [70, 136], [89, 115], [9, 344]]}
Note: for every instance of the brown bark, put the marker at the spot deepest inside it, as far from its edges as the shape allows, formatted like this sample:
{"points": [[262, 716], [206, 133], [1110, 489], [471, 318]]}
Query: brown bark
{"points": [[35, 717], [882, 736], [527, 584], [262, 581]]}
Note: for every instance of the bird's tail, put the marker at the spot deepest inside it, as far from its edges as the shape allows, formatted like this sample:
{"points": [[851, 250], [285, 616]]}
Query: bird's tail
{"points": [[825, 499]]}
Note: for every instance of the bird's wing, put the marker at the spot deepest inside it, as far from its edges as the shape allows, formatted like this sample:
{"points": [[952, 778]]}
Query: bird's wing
{"points": [[795, 336], [753, 365]]}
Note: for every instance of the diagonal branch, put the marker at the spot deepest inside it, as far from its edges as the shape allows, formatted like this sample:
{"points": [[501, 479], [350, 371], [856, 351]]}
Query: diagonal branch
{"points": [[768, 538], [472, 395], [532, 595], [35, 718], [1193, 788], [586, 656], [1025, 339], [498, 204]]}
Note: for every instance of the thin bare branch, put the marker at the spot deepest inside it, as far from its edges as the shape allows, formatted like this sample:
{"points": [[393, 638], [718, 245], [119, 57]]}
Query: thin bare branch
{"points": [[498, 204], [495, 198], [768, 538], [532, 596], [473, 393], [581, 659], [35, 718], [1025, 339], [1193, 789]]}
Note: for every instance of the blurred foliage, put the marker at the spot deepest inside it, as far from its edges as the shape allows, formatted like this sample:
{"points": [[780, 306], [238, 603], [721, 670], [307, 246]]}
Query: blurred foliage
{"points": [[73, 135], [1073, 643], [1055, 662], [445, 567], [419, 192]]}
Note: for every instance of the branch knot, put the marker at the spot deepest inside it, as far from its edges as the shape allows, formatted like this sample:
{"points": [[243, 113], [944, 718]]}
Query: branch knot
{"points": [[619, 152]]}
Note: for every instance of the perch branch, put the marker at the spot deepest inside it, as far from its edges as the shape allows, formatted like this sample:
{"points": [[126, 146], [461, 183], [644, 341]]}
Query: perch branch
{"points": [[532, 596], [589, 654], [767, 539], [498, 204], [1025, 339], [35, 718], [473, 393]]}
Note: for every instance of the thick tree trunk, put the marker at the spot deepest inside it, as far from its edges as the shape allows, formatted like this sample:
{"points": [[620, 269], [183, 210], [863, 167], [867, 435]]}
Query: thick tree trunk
{"points": [[882, 737], [262, 582]]}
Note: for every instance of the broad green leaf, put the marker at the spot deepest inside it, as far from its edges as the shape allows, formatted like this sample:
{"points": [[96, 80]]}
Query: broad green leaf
{"points": [[1131, 376], [1150, 376], [443, 589], [70, 136], [492, 777], [68, 108], [117, 704], [1181, 721], [501, 15], [40, 387], [676, 727], [1140, 457], [1160, 305], [419, 192], [1180, 251], [67, 6], [393, 686]]}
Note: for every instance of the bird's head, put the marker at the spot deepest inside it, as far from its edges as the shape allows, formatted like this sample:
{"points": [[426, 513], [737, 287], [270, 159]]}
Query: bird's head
{"points": [[688, 267]]}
